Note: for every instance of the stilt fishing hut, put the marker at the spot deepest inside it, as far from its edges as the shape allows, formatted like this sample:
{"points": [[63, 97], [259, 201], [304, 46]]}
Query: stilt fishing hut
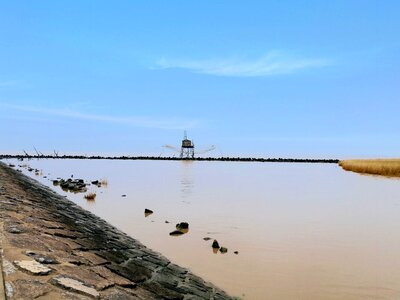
{"points": [[187, 148]]}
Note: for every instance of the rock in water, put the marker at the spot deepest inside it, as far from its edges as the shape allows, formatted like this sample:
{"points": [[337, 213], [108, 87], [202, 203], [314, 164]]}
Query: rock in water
{"points": [[236, 252], [215, 244], [223, 250], [148, 211], [176, 233], [182, 225]]}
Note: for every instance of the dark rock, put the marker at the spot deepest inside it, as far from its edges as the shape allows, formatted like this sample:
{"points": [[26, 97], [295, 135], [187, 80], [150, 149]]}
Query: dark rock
{"points": [[167, 293], [42, 258], [215, 244], [223, 250], [123, 195], [147, 212], [207, 238], [236, 252], [131, 271], [176, 233], [182, 225], [95, 182], [113, 256]]}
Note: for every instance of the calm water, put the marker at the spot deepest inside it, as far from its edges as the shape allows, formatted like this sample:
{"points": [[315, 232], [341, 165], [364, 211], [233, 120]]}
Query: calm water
{"points": [[303, 231]]}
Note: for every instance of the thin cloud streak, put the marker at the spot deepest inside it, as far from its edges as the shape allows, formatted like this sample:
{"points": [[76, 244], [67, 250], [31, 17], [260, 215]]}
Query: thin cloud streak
{"points": [[273, 63], [160, 123]]}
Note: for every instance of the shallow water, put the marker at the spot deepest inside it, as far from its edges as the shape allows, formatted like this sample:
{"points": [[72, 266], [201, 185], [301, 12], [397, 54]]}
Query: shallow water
{"points": [[303, 231]]}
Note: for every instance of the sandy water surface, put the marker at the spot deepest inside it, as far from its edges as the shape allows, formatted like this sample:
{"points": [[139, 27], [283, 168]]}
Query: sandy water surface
{"points": [[303, 231]]}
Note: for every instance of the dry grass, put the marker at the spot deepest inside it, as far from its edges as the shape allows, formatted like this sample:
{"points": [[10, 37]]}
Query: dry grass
{"points": [[384, 167], [90, 196]]}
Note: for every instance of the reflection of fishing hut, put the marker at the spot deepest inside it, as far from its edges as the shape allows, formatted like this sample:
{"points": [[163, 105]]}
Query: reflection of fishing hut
{"points": [[187, 149]]}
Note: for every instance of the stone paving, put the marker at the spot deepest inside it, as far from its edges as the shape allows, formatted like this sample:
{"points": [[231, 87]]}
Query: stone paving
{"points": [[53, 249]]}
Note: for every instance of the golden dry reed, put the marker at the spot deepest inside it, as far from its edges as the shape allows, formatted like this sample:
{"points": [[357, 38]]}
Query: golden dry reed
{"points": [[90, 196], [384, 167]]}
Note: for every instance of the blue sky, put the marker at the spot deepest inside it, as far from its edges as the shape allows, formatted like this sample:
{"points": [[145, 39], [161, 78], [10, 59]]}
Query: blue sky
{"points": [[262, 78]]}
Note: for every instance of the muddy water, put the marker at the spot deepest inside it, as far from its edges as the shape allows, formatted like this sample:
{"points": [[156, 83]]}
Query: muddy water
{"points": [[303, 231]]}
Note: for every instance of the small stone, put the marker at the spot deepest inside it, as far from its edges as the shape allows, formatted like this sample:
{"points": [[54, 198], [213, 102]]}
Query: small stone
{"points": [[207, 238], [182, 225], [176, 233], [32, 266], [8, 267], [215, 244], [9, 289], [148, 211], [236, 252], [123, 195], [223, 250], [14, 230], [166, 222], [41, 258], [75, 285]]}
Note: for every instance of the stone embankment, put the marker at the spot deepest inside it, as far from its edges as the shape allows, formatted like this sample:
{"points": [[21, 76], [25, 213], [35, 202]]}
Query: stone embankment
{"points": [[53, 249], [224, 159]]}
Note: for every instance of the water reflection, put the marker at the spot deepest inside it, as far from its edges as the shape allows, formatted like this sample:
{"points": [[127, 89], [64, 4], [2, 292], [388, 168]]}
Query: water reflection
{"points": [[187, 181]]}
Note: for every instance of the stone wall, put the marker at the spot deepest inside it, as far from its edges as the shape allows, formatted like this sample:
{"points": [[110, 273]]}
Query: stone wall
{"points": [[53, 249]]}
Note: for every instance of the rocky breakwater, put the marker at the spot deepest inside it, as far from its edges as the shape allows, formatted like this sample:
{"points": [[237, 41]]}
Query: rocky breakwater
{"points": [[53, 249]]}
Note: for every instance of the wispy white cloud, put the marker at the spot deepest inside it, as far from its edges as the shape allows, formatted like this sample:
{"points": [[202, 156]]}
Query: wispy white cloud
{"points": [[273, 63], [160, 123]]}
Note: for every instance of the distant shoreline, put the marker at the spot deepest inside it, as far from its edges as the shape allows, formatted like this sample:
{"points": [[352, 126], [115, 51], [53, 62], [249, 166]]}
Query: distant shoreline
{"points": [[233, 159]]}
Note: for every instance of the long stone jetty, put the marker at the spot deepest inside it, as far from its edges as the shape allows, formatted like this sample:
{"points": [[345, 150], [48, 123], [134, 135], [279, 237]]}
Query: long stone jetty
{"points": [[53, 249], [223, 159]]}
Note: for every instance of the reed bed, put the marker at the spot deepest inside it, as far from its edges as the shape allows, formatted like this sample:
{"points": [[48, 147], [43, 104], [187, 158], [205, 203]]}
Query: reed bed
{"points": [[383, 167], [90, 196]]}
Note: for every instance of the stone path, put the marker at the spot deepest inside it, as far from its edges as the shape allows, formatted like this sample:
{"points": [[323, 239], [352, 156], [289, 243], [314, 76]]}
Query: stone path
{"points": [[53, 249]]}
